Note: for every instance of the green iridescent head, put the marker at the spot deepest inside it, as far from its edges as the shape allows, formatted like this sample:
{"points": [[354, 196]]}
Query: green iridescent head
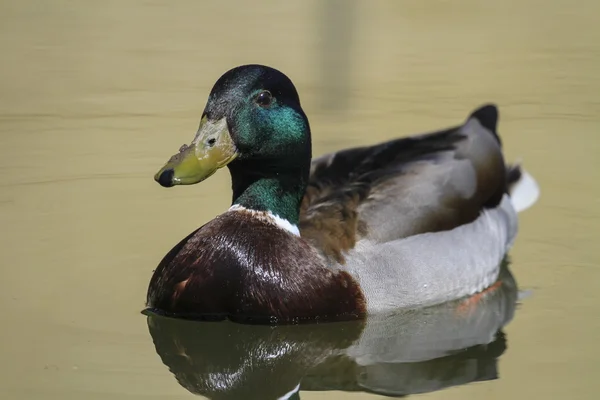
{"points": [[254, 124]]}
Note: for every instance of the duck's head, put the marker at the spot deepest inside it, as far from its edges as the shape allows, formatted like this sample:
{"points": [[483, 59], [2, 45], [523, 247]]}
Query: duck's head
{"points": [[252, 118]]}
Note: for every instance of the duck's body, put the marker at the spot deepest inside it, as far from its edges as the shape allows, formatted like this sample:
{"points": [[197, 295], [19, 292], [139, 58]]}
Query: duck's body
{"points": [[406, 223]]}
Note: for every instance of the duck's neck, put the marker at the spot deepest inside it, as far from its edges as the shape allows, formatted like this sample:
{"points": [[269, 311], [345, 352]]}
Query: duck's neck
{"points": [[278, 190]]}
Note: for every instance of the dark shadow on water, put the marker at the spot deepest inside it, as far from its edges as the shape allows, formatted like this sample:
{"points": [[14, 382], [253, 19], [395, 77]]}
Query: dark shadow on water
{"points": [[398, 354]]}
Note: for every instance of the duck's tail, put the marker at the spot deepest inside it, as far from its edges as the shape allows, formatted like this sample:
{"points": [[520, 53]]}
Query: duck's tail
{"points": [[522, 188]]}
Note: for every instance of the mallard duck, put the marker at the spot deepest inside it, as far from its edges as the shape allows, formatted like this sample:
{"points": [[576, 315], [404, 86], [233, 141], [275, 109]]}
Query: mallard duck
{"points": [[408, 223]]}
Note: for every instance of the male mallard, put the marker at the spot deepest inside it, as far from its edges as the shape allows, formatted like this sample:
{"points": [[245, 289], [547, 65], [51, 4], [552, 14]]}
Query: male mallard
{"points": [[406, 223]]}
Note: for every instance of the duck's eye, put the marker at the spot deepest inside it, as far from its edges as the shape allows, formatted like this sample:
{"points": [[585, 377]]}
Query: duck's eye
{"points": [[264, 98]]}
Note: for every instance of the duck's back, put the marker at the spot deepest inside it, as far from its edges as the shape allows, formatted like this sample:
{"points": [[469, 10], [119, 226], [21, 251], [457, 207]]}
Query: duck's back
{"points": [[417, 220], [412, 185]]}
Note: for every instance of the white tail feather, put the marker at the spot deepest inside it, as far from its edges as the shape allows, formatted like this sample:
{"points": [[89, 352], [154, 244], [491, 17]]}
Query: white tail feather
{"points": [[525, 192]]}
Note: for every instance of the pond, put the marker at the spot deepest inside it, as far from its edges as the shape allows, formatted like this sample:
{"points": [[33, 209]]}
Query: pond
{"points": [[94, 96]]}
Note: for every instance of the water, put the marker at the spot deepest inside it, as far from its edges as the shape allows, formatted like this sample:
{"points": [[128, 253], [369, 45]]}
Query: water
{"points": [[94, 96]]}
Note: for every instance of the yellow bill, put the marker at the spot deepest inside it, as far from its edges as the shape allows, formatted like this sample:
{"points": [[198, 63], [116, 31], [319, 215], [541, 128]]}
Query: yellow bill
{"points": [[211, 149]]}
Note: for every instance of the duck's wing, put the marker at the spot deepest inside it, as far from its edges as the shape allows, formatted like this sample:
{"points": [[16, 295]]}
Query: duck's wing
{"points": [[427, 183]]}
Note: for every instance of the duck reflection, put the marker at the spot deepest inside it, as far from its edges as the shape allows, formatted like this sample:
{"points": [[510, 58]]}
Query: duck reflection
{"points": [[397, 354]]}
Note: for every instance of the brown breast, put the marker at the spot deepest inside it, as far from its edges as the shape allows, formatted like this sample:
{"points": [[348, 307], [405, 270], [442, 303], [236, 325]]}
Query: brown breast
{"points": [[245, 268]]}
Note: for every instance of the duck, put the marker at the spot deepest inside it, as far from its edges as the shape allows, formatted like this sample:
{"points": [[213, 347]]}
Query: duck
{"points": [[408, 223]]}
